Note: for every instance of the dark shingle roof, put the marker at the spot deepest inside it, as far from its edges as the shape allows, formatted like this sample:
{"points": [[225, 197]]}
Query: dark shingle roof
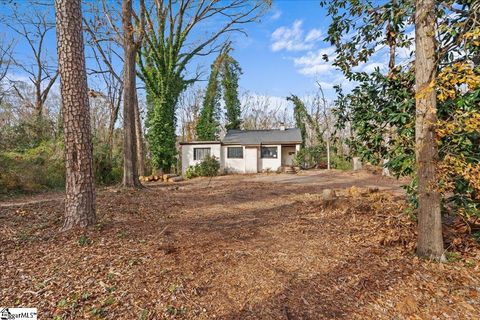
{"points": [[257, 137]]}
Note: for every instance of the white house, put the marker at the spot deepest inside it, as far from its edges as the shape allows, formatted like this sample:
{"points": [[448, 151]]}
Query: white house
{"points": [[246, 151]]}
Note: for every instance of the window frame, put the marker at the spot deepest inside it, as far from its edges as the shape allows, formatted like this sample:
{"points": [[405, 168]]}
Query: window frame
{"points": [[201, 148], [269, 157], [230, 157]]}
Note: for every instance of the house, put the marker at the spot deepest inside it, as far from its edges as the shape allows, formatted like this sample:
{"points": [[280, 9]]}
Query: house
{"points": [[246, 151]]}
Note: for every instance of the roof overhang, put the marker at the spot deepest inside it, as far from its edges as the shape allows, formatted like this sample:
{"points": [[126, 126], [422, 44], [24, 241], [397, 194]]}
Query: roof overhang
{"points": [[260, 144], [200, 142]]}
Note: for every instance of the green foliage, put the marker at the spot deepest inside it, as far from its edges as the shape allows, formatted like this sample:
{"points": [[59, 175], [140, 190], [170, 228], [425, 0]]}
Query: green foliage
{"points": [[209, 167], [27, 134], [309, 157], [231, 72], [37, 169], [164, 83], [299, 113], [208, 122], [459, 151], [373, 24], [381, 112], [107, 166], [161, 124], [381, 109], [42, 168], [84, 241], [340, 162]]}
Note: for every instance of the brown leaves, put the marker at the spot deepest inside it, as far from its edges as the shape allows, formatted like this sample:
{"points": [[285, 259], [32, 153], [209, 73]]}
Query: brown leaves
{"points": [[238, 249]]}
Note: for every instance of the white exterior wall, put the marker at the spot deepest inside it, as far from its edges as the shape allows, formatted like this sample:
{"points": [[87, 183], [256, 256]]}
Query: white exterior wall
{"points": [[252, 161], [187, 154], [270, 164], [233, 165]]}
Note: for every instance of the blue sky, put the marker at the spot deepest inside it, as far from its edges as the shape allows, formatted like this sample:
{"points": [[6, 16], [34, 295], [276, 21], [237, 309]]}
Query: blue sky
{"points": [[281, 55]]}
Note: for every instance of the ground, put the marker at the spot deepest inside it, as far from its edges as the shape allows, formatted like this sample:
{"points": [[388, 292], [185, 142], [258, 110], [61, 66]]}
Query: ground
{"points": [[235, 247]]}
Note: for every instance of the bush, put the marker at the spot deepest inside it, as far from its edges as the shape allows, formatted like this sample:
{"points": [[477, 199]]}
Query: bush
{"points": [[42, 168], [309, 157], [37, 169], [107, 165], [209, 167]]}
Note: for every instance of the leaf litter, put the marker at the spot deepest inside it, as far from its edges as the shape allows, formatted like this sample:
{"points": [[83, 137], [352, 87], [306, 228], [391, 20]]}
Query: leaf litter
{"points": [[235, 249]]}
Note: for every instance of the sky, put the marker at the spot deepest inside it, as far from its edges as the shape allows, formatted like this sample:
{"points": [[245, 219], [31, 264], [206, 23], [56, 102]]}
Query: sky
{"points": [[281, 55]]}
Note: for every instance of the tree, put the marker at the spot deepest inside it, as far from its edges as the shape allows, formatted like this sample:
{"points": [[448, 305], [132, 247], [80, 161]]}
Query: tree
{"points": [[430, 240], [103, 47], [80, 189], [300, 115], [33, 27], [189, 106], [261, 112], [208, 122], [384, 105], [231, 72], [169, 49], [5, 62], [107, 39], [130, 47]]}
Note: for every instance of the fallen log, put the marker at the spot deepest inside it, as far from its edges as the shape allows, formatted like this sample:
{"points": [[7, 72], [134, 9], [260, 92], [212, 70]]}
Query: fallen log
{"points": [[175, 179]]}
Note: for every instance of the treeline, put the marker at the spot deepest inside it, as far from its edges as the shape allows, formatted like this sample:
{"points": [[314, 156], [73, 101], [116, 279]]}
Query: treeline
{"points": [[118, 50]]}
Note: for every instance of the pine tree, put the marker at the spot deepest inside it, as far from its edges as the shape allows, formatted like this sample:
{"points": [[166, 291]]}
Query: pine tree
{"points": [[80, 187]]}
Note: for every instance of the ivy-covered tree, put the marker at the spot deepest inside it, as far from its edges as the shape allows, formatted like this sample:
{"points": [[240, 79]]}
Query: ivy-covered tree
{"points": [[208, 121], [168, 49], [231, 72], [299, 113]]}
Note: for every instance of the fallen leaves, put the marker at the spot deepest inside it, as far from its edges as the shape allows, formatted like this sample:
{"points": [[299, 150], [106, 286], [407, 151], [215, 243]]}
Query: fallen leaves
{"points": [[235, 250]]}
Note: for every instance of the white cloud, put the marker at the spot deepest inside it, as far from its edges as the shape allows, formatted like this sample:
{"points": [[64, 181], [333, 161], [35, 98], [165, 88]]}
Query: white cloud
{"points": [[313, 35], [370, 67], [276, 14], [313, 63], [292, 38]]}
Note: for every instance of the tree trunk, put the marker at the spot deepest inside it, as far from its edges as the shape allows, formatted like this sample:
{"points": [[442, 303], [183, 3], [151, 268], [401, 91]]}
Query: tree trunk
{"points": [[80, 188], [130, 174], [328, 153], [139, 139], [430, 241]]}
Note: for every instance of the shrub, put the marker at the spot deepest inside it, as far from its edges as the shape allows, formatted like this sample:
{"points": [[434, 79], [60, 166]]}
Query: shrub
{"points": [[309, 157], [209, 167], [34, 170]]}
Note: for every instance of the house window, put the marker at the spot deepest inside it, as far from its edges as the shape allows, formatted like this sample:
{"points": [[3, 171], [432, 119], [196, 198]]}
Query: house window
{"points": [[235, 152], [269, 152], [200, 153]]}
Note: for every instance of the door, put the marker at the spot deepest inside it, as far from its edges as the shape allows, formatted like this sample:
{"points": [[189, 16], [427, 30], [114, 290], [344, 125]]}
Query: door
{"points": [[251, 160], [288, 153]]}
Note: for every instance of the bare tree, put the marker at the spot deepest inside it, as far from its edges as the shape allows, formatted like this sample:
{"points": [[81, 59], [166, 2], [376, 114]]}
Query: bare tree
{"points": [[6, 49], [80, 188], [430, 240], [105, 38], [132, 40], [260, 112], [188, 113], [33, 27], [105, 48], [111, 88]]}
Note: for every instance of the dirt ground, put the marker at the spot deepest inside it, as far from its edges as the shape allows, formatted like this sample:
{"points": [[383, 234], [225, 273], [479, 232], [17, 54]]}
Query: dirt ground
{"points": [[235, 247]]}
